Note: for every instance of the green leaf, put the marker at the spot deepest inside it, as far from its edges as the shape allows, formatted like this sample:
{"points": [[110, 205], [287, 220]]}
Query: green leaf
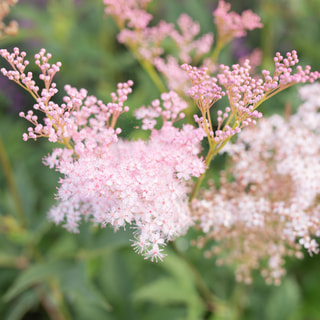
{"points": [[164, 312], [64, 246], [79, 288], [22, 305], [162, 291], [284, 301], [180, 288], [179, 269], [10, 260], [167, 291], [35, 274]]}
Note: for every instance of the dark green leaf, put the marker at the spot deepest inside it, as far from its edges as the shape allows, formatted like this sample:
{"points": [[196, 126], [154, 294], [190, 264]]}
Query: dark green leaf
{"points": [[35, 274], [27, 301]]}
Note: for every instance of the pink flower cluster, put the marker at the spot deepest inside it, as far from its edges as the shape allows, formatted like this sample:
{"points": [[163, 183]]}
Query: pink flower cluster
{"points": [[147, 42], [171, 110], [141, 184], [245, 92], [232, 25], [82, 122], [131, 12], [270, 209], [105, 179], [204, 90]]}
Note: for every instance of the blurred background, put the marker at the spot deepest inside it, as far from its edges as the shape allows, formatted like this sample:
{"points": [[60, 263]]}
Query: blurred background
{"points": [[48, 273]]}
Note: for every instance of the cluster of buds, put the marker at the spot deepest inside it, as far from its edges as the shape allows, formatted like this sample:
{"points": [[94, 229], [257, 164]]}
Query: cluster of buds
{"points": [[171, 110], [245, 93], [81, 122]]}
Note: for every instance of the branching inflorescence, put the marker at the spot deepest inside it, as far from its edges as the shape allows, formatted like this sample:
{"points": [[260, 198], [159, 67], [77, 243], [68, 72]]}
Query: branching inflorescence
{"points": [[271, 208], [147, 184], [107, 180]]}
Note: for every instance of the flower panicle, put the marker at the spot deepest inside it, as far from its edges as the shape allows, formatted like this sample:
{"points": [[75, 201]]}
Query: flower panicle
{"points": [[169, 109], [80, 119], [244, 92], [232, 25], [269, 209]]}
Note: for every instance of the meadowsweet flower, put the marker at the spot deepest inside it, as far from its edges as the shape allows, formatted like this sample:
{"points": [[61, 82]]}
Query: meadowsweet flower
{"points": [[186, 40], [270, 209], [176, 78], [232, 25], [244, 91], [82, 123], [141, 184], [146, 42], [171, 110], [130, 12], [107, 180]]}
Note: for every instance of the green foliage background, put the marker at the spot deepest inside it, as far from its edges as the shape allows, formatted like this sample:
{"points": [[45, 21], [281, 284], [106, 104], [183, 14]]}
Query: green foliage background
{"points": [[96, 274]]}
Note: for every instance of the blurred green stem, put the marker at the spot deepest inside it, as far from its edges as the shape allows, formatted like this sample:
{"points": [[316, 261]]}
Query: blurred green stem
{"points": [[146, 65], [7, 170], [149, 68], [52, 300], [205, 292], [215, 54], [196, 187], [59, 299], [54, 312]]}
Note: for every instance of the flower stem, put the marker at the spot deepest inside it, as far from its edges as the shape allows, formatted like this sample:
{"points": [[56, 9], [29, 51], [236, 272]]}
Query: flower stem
{"points": [[149, 68], [216, 51], [205, 292], [54, 312], [8, 172], [196, 187]]}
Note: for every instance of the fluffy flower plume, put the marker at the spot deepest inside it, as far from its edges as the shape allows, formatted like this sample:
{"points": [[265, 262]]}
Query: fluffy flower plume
{"points": [[107, 180], [271, 209], [136, 183], [139, 183]]}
